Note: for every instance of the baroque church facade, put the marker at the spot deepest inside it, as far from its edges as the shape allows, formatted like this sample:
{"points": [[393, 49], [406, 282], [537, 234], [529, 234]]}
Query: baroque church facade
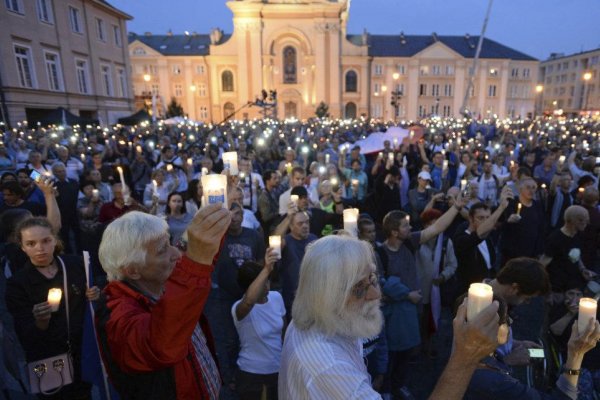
{"points": [[302, 50]]}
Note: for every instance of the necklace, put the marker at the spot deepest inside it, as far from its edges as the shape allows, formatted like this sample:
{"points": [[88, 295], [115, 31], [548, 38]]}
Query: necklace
{"points": [[48, 271]]}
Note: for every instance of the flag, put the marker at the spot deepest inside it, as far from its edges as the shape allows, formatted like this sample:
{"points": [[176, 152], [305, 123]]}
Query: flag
{"points": [[92, 368]]}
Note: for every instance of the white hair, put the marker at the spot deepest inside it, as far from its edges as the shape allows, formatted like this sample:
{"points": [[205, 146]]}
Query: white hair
{"points": [[330, 268], [125, 240]]}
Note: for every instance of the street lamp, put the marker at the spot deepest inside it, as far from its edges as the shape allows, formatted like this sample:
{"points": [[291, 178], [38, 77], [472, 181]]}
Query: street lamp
{"points": [[147, 77], [587, 77], [538, 101], [396, 95]]}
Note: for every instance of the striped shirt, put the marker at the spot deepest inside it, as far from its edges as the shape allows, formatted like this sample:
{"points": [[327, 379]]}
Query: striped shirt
{"points": [[316, 366], [210, 373]]}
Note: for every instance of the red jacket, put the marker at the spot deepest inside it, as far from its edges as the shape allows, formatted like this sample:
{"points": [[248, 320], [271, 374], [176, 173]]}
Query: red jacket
{"points": [[147, 346]]}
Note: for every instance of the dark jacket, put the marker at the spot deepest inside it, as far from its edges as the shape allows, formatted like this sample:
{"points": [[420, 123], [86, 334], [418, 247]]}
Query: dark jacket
{"points": [[471, 264]]}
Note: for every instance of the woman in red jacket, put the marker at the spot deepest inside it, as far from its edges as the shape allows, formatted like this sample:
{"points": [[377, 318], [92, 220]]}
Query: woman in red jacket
{"points": [[154, 338]]}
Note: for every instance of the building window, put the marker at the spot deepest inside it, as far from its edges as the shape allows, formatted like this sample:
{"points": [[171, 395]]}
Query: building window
{"points": [[526, 72], [550, 69], [202, 90], [203, 112], [290, 110], [74, 19], [100, 31], [376, 88], [228, 110], [378, 69], [435, 90], [472, 91], [289, 65], [200, 69], [594, 60], [138, 51], [558, 67], [122, 80], [448, 90], [514, 91], [350, 111], [106, 80], [351, 81], [424, 70], [400, 88], [178, 90], [401, 69], [25, 66], [376, 110], [14, 6], [117, 35], [176, 70], [53, 70], [449, 69], [492, 91], [446, 111], [227, 81], [154, 89], [81, 69], [44, 9], [436, 70], [422, 111], [422, 89], [514, 73]]}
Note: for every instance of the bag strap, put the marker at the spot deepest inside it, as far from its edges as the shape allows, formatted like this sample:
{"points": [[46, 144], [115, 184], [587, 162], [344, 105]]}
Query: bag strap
{"points": [[66, 292]]}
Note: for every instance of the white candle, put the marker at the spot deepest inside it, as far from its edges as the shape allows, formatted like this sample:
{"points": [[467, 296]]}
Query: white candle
{"points": [[463, 184], [391, 156], [169, 168], [190, 162], [154, 187], [54, 296], [587, 310], [327, 157], [395, 141], [350, 216], [294, 198], [445, 165], [215, 190], [204, 172], [480, 296], [519, 206], [230, 162], [95, 193], [562, 159], [120, 170], [275, 244], [355, 183]]}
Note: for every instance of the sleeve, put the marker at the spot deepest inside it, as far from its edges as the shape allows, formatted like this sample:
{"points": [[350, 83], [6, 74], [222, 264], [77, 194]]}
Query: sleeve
{"points": [[381, 354], [450, 262], [160, 338], [464, 242], [20, 307], [265, 208], [148, 195], [342, 381]]}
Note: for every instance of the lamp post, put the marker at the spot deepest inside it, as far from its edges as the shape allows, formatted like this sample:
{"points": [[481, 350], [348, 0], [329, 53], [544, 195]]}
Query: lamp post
{"points": [[587, 77], [539, 89], [396, 95]]}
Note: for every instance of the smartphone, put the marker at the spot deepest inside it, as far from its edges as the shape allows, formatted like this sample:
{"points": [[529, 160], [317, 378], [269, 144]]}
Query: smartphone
{"points": [[36, 176], [536, 353]]}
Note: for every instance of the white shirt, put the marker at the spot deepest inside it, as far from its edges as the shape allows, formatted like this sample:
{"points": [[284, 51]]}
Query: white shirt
{"points": [[485, 252], [317, 366], [285, 199], [260, 336]]}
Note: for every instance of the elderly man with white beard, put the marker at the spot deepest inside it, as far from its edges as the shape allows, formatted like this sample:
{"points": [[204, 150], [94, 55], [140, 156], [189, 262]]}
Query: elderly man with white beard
{"points": [[336, 305]]}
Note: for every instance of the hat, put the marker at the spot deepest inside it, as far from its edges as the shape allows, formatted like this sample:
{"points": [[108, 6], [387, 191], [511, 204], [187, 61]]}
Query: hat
{"points": [[424, 175], [300, 191]]}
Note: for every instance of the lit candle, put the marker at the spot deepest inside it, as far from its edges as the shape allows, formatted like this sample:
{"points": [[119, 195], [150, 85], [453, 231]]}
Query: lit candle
{"points": [[95, 193], [120, 170], [288, 167], [445, 165], [480, 296], [294, 199], [169, 168], [154, 187], [230, 162], [380, 155], [215, 189], [190, 162], [355, 183], [391, 156], [562, 159], [587, 310], [204, 172], [54, 296], [581, 190], [82, 157], [463, 184], [350, 216], [519, 206], [327, 157], [395, 141], [275, 244]]}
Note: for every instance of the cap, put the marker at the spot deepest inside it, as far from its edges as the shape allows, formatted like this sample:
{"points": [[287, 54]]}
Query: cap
{"points": [[300, 191], [424, 175]]}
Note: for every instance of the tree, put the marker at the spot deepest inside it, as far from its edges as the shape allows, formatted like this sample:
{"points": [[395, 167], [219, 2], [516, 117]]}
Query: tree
{"points": [[322, 110], [174, 109]]}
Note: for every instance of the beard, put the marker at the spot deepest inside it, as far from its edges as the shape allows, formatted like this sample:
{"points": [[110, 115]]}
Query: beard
{"points": [[361, 320]]}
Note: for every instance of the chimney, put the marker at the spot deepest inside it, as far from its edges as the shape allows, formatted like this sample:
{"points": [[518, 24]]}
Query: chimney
{"points": [[170, 33]]}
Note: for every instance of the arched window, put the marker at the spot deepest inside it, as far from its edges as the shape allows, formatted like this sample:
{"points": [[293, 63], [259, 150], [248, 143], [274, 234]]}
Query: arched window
{"points": [[289, 65], [228, 110], [227, 81], [351, 81], [350, 111]]}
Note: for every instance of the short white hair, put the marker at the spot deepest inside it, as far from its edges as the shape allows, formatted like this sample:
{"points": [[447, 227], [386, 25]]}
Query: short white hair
{"points": [[125, 240], [330, 268]]}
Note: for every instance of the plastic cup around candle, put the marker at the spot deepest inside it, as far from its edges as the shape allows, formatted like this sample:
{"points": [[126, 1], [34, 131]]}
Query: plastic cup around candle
{"points": [[587, 311], [350, 217], [214, 190], [275, 244], [480, 296], [54, 296], [294, 198], [230, 162]]}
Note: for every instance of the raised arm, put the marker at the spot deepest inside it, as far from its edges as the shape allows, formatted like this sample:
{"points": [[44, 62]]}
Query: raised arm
{"points": [[252, 295], [443, 222], [52, 210], [490, 223]]}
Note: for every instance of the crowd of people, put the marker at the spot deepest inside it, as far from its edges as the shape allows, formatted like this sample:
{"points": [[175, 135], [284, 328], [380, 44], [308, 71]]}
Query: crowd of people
{"points": [[328, 314]]}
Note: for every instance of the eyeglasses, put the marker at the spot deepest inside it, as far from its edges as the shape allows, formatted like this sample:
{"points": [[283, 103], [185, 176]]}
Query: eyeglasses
{"points": [[360, 289]]}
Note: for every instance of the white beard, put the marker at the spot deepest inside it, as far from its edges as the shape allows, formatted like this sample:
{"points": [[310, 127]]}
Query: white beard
{"points": [[364, 321]]}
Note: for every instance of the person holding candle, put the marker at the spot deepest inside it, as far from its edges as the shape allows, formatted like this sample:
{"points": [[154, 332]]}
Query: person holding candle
{"points": [[560, 198], [157, 191], [562, 254], [297, 177], [356, 181], [42, 332], [152, 332], [119, 206], [177, 217], [175, 173]]}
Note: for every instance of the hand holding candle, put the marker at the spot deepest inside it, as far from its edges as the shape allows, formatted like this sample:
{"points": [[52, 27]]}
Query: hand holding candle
{"points": [[519, 206], [214, 190], [275, 244], [350, 216], [230, 162], [587, 311], [54, 296], [480, 296]]}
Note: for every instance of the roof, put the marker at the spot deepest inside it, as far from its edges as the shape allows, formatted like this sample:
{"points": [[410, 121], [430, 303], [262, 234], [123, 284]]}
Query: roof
{"points": [[109, 6], [409, 45], [178, 45], [553, 58]]}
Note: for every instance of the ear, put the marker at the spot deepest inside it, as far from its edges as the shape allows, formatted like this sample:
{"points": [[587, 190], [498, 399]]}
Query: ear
{"points": [[131, 272]]}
